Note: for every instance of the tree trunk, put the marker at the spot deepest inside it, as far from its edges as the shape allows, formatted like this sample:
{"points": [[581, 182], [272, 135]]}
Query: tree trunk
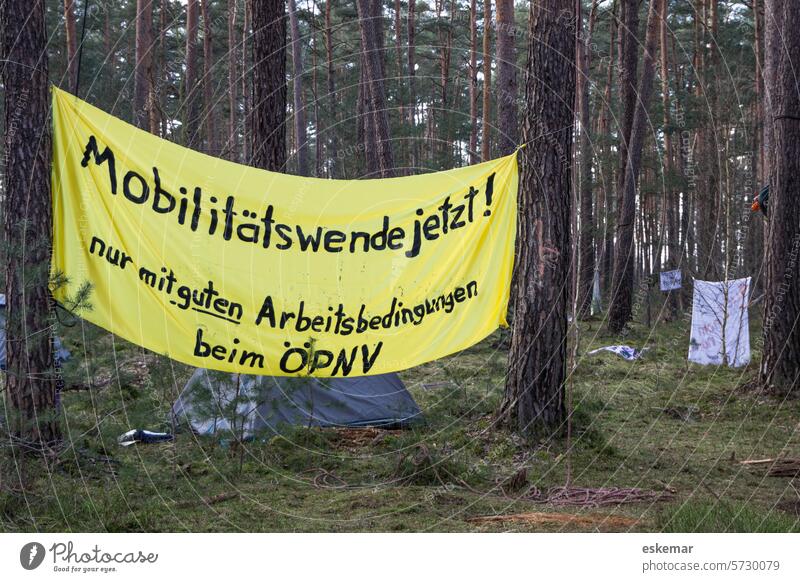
{"points": [[319, 130], [628, 66], [365, 128], [587, 226], [606, 243], [780, 368], [506, 78], [209, 116], [268, 117], [143, 67], [333, 155], [298, 103], [191, 135], [620, 311], [474, 156], [412, 76], [486, 115], [72, 44], [30, 384], [247, 86], [534, 392], [398, 48], [669, 200], [233, 102], [370, 15]]}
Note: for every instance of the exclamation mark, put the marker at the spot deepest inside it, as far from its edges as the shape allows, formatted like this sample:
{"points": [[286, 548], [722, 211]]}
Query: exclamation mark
{"points": [[489, 192]]}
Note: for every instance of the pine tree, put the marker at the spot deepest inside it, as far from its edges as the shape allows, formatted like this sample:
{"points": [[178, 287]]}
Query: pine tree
{"points": [[534, 391]]}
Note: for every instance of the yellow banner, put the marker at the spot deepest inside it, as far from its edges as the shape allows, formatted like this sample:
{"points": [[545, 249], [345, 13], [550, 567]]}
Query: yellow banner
{"points": [[223, 266]]}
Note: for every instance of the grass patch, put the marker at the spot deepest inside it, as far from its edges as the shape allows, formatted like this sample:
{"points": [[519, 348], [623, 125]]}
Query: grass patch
{"points": [[726, 517]]}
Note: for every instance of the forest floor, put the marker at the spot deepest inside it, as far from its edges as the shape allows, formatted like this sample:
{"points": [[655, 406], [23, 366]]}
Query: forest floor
{"points": [[658, 424]]}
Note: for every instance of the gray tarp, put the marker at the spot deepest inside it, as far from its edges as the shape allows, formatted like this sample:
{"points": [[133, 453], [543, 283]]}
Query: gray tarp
{"points": [[268, 403]]}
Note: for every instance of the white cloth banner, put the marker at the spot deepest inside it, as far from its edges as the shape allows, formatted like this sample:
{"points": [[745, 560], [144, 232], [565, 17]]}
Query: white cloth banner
{"points": [[670, 280], [718, 305]]}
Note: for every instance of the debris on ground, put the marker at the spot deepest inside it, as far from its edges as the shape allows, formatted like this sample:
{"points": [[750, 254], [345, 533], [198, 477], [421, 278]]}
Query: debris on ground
{"points": [[597, 497], [146, 437], [776, 467], [360, 437]]}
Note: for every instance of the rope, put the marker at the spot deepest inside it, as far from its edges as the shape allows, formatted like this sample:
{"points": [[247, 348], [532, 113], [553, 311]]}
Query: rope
{"points": [[80, 49]]}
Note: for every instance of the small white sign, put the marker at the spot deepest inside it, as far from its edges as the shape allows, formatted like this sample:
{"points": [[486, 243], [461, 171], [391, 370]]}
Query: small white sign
{"points": [[670, 280]]}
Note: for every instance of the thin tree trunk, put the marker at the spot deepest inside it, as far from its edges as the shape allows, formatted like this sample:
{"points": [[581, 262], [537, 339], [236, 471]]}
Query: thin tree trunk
{"points": [[191, 92], [143, 66], [620, 311], [412, 76], [780, 368], [233, 101], [30, 385], [609, 177], [506, 78], [486, 115], [333, 156], [209, 115], [628, 66], [474, 156], [72, 44], [670, 201], [268, 117], [587, 225], [319, 130], [247, 87], [534, 392], [298, 102], [398, 48]]}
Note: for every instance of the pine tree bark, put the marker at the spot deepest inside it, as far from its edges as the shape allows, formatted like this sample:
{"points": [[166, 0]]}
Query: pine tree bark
{"points": [[191, 135], [398, 48], [620, 311], [412, 80], [72, 44], [474, 156], [780, 368], [534, 391], [506, 78], [670, 199], [268, 116], [233, 100], [486, 115], [370, 16], [30, 386], [333, 156], [628, 72], [606, 243], [247, 86], [587, 223], [143, 66], [298, 102], [209, 111]]}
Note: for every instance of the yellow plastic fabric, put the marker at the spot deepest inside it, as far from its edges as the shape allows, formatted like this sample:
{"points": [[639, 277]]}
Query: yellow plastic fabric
{"points": [[210, 262]]}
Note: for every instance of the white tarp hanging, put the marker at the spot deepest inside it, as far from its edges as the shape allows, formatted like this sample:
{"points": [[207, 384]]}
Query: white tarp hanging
{"points": [[717, 306], [597, 306], [670, 280]]}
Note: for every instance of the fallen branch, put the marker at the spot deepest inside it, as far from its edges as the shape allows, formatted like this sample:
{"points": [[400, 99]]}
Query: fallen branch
{"points": [[597, 497], [776, 467]]}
